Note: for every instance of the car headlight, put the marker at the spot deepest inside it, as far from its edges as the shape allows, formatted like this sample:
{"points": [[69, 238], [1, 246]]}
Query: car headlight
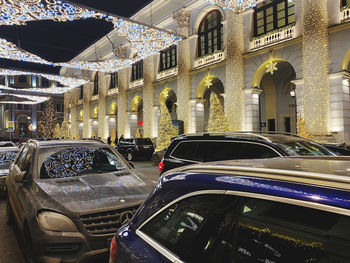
{"points": [[56, 222]]}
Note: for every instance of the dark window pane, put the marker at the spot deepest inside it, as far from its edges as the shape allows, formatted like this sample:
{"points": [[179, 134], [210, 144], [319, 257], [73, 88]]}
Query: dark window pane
{"points": [[177, 226], [276, 232], [193, 151]]}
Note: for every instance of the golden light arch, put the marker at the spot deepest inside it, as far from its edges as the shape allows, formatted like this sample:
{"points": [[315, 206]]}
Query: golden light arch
{"points": [[261, 71], [113, 108], [346, 61], [94, 114], [164, 95], [203, 86], [81, 115], [135, 103]]}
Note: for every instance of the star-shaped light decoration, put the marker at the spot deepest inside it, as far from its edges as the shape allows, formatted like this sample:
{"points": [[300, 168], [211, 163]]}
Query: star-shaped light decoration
{"points": [[208, 82], [271, 67]]}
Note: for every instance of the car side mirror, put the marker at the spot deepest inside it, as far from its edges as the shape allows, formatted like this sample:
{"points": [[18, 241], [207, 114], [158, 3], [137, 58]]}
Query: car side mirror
{"points": [[132, 164], [19, 177]]}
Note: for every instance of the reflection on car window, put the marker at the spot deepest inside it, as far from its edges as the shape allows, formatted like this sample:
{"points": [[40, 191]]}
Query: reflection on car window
{"points": [[6, 158], [303, 148], [276, 232], [177, 226], [73, 161]]}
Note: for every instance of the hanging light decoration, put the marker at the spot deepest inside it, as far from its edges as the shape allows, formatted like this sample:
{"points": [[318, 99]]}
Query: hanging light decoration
{"points": [[53, 90], [9, 50], [31, 99], [18, 12], [69, 82], [236, 6]]}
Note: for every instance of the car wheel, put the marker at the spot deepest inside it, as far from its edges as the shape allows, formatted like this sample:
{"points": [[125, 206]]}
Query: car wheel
{"points": [[9, 212], [129, 156]]}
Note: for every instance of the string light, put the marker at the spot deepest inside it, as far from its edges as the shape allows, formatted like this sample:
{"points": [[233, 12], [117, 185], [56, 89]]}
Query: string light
{"points": [[53, 90], [31, 99], [69, 82], [14, 12], [9, 50], [108, 66], [236, 6]]}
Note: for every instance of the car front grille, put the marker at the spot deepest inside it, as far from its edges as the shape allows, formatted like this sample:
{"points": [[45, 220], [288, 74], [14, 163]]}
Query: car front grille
{"points": [[107, 222]]}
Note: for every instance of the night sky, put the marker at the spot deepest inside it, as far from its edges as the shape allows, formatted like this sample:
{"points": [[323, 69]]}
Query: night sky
{"points": [[61, 41]]}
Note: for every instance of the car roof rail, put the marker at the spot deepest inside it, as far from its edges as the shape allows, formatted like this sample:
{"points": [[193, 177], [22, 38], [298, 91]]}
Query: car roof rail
{"points": [[252, 134]]}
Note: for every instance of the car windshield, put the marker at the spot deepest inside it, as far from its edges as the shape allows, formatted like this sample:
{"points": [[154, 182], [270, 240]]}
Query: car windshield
{"points": [[144, 141], [6, 158], [305, 148], [74, 161]]}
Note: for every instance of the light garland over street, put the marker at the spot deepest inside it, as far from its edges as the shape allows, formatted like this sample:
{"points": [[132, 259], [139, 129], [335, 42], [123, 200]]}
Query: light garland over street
{"points": [[53, 90], [31, 99], [9, 50], [236, 6], [102, 66]]}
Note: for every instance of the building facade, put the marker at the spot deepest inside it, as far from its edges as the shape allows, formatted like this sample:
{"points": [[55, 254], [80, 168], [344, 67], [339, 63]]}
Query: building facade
{"points": [[272, 65]]}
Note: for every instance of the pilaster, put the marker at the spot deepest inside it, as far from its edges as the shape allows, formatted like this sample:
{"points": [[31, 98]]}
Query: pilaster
{"points": [[73, 114], [102, 105], [184, 66], [148, 96], [122, 102], [86, 107]]}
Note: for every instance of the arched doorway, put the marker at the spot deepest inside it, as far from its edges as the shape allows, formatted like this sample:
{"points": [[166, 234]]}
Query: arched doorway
{"points": [[168, 97], [136, 116], [277, 100], [112, 119], [94, 122], [208, 85]]}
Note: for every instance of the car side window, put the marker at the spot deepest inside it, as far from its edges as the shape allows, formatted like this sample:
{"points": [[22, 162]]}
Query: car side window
{"points": [[21, 157], [228, 150], [176, 227], [194, 150], [277, 232]]}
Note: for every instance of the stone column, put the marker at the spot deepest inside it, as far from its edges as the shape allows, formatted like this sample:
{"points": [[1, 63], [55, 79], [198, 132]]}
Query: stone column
{"points": [[74, 114], [87, 107], [234, 99], [251, 108], [102, 104], [148, 96], [122, 102], [184, 66], [315, 66]]}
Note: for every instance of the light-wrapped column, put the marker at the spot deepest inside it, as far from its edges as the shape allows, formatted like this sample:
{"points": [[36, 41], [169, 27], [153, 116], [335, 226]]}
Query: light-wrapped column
{"points": [[315, 66], [87, 109], [234, 99], [148, 96], [122, 102], [183, 64], [74, 114], [102, 104]]}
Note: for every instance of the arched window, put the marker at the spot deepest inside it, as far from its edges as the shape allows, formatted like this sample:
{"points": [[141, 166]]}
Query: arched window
{"points": [[114, 80], [95, 84], [168, 58], [81, 92], [210, 34], [345, 3], [272, 15], [137, 70]]}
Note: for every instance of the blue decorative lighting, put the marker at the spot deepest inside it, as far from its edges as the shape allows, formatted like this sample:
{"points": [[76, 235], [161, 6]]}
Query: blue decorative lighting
{"points": [[236, 6]]}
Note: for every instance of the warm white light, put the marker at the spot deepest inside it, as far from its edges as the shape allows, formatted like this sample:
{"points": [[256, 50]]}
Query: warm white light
{"points": [[236, 5], [31, 99]]}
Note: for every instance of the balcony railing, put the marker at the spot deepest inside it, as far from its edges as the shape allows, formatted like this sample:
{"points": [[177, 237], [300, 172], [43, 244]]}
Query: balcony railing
{"points": [[94, 97], [209, 59], [273, 38], [167, 73], [345, 14], [136, 83], [113, 91]]}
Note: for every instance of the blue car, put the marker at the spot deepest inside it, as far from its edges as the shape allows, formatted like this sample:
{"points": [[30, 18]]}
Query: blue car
{"points": [[271, 210]]}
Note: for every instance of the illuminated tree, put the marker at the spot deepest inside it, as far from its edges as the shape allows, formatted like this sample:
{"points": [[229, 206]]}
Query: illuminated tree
{"points": [[301, 128], [64, 130], [113, 136], [57, 131], [48, 120], [217, 119], [166, 130]]}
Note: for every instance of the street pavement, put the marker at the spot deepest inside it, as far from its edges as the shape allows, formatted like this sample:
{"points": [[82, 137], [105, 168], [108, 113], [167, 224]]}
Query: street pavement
{"points": [[10, 251]]}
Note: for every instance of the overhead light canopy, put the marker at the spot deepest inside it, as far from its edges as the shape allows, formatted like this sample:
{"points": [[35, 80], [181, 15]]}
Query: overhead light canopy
{"points": [[31, 99], [236, 6], [53, 90]]}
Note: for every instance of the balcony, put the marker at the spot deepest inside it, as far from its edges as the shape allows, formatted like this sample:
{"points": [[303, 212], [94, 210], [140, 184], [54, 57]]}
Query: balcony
{"points": [[80, 102], [345, 14], [272, 38], [113, 91], [136, 84], [167, 73], [209, 59], [94, 97]]}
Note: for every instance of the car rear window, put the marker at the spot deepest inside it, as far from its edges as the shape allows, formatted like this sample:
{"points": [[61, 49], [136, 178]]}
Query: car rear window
{"points": [[74, 161], [305, 148], [144, 141]]}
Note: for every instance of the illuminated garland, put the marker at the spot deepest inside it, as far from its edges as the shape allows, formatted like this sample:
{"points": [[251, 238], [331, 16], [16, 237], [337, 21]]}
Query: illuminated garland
{"points": [[9, 50], [18, 12], [31, 99], [65, 81], [236, 5], [102, 66], [54, 90]]}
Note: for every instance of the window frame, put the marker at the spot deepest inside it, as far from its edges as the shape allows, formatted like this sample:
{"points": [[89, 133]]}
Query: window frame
{"points": [[114, 80], [137, 70], [263, 9], [95, 88], [344, 3], [219, 38], [240, 195], [166, 56], [81, 92]]}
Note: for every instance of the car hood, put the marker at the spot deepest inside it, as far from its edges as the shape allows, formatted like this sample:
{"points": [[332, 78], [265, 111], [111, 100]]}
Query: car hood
{"points": [[94, 192]]}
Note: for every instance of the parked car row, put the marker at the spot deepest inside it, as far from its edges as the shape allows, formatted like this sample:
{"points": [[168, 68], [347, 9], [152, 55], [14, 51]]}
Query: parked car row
{"points": [[81, 201]]}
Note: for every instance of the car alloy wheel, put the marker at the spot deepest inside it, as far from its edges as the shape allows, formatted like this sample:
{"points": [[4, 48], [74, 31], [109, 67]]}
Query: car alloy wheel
{"points": [[129, 156]]}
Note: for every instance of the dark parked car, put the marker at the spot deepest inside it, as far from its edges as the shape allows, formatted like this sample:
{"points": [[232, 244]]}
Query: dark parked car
{"points": [[273, 210], [136, 147], [158, 156], [7, 144], [7, 155], [338, 149], [68, 198], [207, 147]]}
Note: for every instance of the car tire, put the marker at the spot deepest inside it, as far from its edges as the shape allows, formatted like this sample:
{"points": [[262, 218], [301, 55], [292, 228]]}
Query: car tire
{"points": [[9, 212], [129, 156]]}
